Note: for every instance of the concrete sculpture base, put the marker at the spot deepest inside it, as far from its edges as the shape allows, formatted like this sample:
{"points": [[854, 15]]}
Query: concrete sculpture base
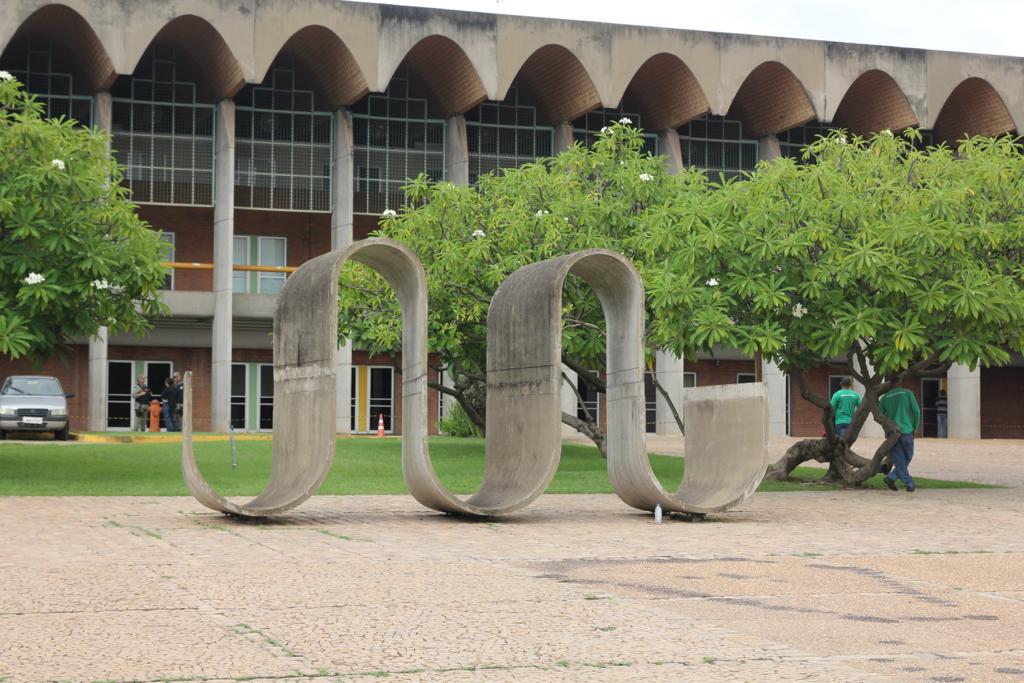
{"points": [[726, 426]]}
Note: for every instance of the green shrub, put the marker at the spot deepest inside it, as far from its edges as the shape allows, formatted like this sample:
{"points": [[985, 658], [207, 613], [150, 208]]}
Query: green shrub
{"points": [[457, 423]]}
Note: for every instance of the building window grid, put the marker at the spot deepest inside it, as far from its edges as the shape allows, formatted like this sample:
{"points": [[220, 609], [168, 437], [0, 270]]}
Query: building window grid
{"points": [[586, 128], [717, 146], [164, 138], [53, 88], [254, 250], [503, 135], [282, 148], [793, 141], [394, 140]]}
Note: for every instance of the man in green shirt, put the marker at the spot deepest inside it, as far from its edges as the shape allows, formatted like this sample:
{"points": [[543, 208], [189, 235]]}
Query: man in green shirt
{"points": [[900, 406], [844, 405]]}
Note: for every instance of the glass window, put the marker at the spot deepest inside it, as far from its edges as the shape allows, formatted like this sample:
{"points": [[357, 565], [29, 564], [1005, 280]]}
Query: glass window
{"points": [[504, 135], [266, 405], [240, 257], [283, 147], [162, 136], [168, 256], [239, 394], [717, 145], [394, 141], [56, 91], [273, 251]]}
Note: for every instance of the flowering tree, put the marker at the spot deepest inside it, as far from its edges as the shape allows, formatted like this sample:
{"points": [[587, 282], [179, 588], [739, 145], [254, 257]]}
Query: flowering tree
{"points": [[73, 254], [894, 260], [471, 238]]}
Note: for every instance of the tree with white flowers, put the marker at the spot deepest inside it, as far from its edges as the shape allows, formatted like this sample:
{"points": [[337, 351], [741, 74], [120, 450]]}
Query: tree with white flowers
{"points": [[896, 261], [74, 256]]}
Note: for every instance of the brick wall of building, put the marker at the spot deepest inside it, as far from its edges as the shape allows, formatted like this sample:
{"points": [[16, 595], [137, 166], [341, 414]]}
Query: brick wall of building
{"points": [[73, 372], [193, 241], [1002, 412], [710, 371]]}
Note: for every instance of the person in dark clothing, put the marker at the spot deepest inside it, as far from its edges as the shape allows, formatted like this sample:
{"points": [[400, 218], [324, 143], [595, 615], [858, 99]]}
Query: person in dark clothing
{"points": [[170, 408], [180, 384]]}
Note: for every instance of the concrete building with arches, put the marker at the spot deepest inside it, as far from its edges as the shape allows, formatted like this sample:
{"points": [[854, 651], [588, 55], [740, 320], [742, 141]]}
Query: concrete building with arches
{"points": [[261, 134]]}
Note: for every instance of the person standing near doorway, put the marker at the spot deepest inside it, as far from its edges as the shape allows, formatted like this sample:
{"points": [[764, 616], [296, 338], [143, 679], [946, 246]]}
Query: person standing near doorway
{"points": [[844, 405], [170, 403], [142, 397], [899, 405], [942, 415]]}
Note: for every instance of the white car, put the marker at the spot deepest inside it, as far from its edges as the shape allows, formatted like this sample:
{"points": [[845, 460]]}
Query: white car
{"points": [[34, 403]]}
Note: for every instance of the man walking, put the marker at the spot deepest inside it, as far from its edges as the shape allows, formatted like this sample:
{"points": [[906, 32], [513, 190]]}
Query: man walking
{"points": [[900, 406], [844, 405]]}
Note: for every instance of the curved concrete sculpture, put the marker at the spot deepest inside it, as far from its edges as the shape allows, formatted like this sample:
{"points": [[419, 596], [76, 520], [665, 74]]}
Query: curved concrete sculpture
{"points": [[524, 370], [305, 344], [728, 425]]}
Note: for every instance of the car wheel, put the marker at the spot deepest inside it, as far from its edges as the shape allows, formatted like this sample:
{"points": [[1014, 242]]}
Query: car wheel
{"points": [[61, 434]]}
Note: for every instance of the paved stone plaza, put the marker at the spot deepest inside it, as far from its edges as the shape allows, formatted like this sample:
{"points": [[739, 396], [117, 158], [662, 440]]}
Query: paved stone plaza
{"points": [[843, 586]]}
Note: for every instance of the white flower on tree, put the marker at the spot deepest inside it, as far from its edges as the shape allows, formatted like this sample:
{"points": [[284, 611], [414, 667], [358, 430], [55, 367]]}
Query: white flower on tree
{"points": [[604, 130], [625, 120], [6, 76], [100, 284], [541, 213], [57, 164], [712, 282], [34, 279], [389, 213], [799, 311], [479, 233], [646, 177]]}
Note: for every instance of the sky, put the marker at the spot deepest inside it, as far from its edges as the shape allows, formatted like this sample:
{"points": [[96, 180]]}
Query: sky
{"points": [[985, 26]]}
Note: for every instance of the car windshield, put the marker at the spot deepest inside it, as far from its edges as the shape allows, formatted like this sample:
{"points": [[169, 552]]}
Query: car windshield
{"points": [[32, 386]]}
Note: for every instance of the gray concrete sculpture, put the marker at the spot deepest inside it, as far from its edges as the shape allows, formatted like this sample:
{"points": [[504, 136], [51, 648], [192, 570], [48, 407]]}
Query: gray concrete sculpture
{"points": [[305, 344], [727, 426]]}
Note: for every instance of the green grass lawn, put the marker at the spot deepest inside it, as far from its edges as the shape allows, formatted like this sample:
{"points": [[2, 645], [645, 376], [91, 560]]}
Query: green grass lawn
{"points": [[361, 466]]}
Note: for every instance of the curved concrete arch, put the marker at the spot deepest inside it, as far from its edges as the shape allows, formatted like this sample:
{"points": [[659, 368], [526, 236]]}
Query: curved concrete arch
{"points": [[445, 71], [974, 107], [328, 63], [76, 35], [771, 100], [305, 344], [665, 93], [524, 352], [873, 103], [845, 63], [215, 70], [555, 81]]}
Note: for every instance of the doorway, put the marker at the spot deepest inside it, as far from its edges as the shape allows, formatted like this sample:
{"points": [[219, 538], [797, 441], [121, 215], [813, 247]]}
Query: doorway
{"points": [[930, 387], [372, 397]]}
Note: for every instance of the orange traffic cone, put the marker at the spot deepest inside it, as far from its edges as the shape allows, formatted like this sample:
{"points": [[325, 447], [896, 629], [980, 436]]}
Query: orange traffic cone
{"points": [[380, 425]]}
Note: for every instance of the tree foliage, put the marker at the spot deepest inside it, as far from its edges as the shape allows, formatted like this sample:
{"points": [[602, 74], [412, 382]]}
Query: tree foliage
{"points": [[471, 238], [73, 254], [897, 259]]}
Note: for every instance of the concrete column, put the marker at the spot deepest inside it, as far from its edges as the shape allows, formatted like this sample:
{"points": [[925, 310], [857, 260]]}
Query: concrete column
{"points": [[223, 241], [563, 138], [456, 158], [671, 376], [341, 237], [97, 422], [98, 381], [963, 390], [768, 148], [569, 400], [668, 144], [775, 382]]}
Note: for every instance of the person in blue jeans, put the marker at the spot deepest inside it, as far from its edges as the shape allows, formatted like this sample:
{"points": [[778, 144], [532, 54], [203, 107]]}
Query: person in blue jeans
{"points": [[900, 406], [844, 405]]}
